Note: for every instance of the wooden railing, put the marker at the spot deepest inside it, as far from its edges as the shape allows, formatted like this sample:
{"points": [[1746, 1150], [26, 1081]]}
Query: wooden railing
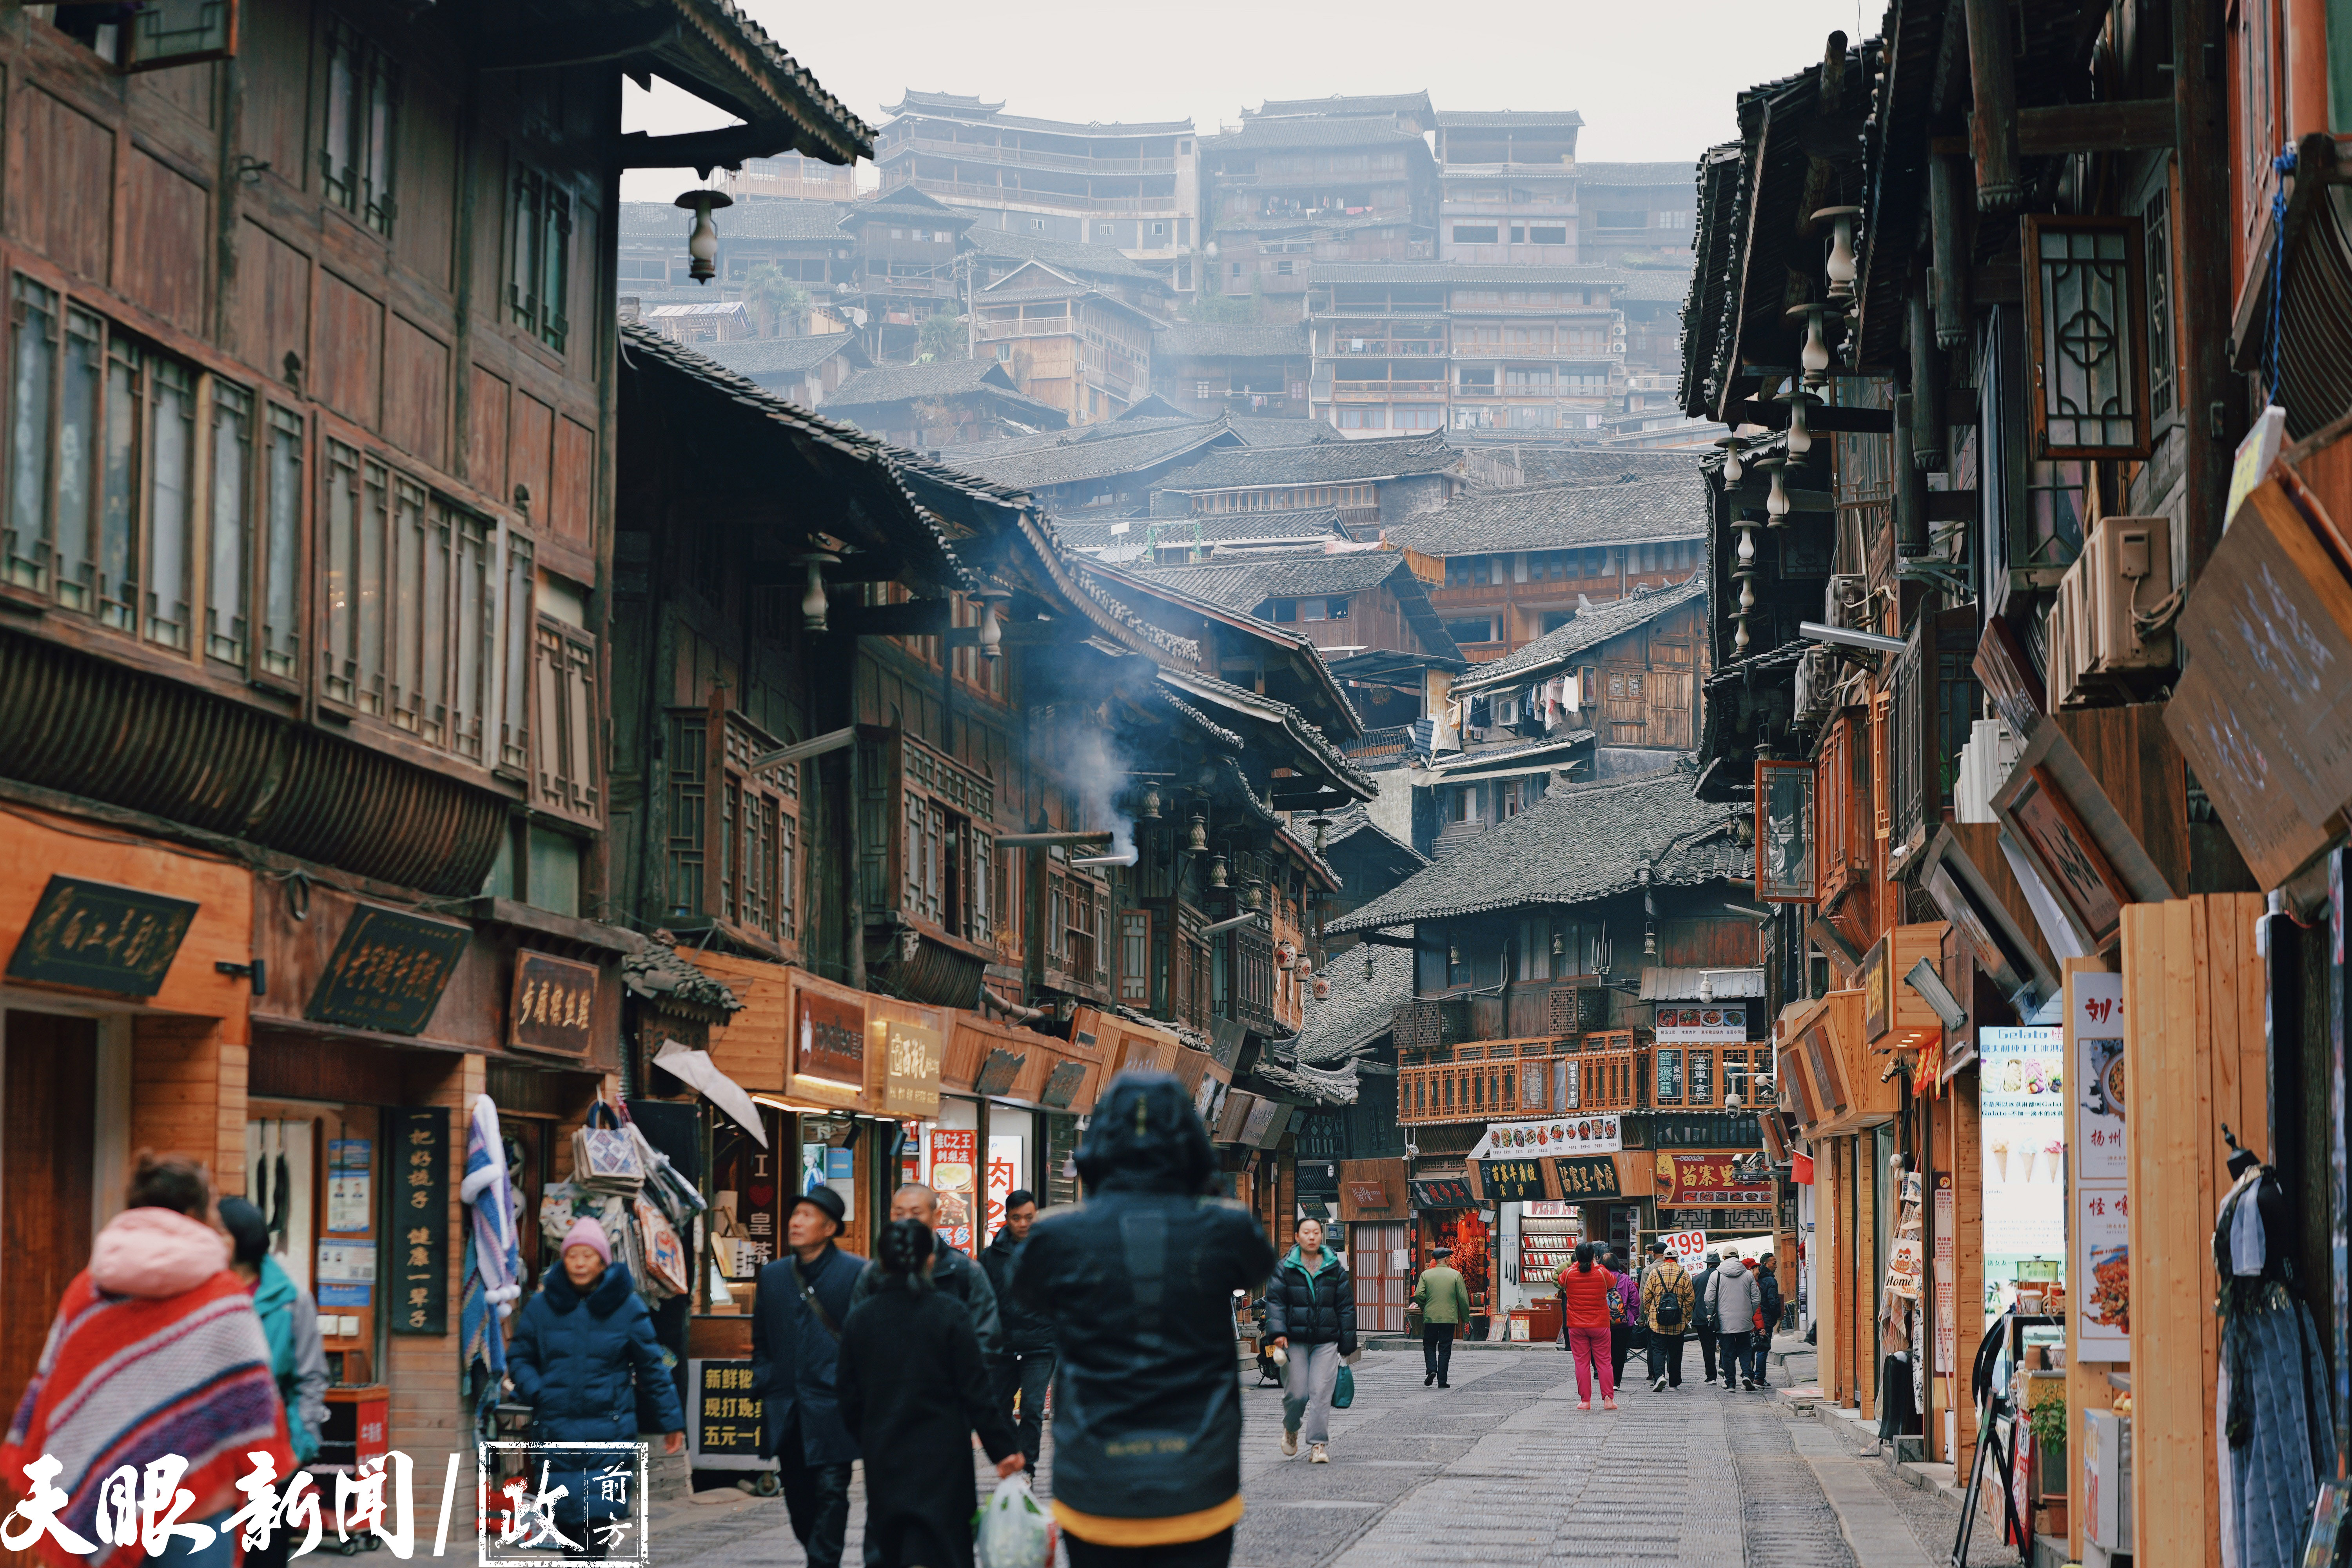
{"points": [[1503, 1079]]}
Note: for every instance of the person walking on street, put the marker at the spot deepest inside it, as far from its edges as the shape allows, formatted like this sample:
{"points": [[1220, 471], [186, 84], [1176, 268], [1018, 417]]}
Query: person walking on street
{"points": [[957, 1275], [1444, 1302], [297, 1360], [1768, 1281], [155, 1351], [583, 1357], [1311, 1314], [1706, 1324], [1735, 1298], [1666, 1313], [796, 1325], [1624, 1315], [1023, 1370], [913, 1386], [1139, 1282], [1586, 1292]]}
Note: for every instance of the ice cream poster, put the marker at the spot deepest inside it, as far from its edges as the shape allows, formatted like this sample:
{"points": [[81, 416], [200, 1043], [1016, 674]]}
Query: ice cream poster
{"points": [[2024, 1114]]}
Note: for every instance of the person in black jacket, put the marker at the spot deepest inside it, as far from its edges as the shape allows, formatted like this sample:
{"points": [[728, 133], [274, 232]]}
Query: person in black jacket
{"points": [[913, 1391], [955, 1275], [1767, 1281], [1707, 1324], [1139, 1281], [1024, 1367], [796, 1326], [1310, 1314]]}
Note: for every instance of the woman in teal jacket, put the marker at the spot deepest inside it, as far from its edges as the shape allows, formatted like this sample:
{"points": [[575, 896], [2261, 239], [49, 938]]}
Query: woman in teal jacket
{"points": [[1310, 1314]]}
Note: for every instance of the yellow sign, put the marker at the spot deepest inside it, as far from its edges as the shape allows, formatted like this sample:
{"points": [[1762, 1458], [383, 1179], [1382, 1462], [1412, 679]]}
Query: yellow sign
{"points": [[908, 1043]]}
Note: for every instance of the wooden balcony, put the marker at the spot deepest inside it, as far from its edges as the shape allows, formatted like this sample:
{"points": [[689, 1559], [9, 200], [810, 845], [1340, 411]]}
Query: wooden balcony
{"points": [[1503, 1079], [1034, 157], [989, 331]]}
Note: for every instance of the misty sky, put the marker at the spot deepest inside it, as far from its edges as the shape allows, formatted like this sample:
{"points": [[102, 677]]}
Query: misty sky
{"points": [[1652, 80]]}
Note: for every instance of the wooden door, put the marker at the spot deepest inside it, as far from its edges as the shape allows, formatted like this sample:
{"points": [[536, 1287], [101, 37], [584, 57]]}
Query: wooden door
{"points": [[48, 1106], [1381, 1287]]}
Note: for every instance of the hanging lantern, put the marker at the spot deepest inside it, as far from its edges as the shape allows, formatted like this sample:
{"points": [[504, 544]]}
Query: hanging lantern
{"points": [[1776, 505], [1322, 823], [1149, 809], [813, 602], [1801, 435], [1322, 988], [1217, 862], [1198, 838], [702, 237], [1283, 953], [1253, 894], [1840, 267], [1558, 943], [1732, 446], [992, 629], [1367, 963], [1815, 355]]}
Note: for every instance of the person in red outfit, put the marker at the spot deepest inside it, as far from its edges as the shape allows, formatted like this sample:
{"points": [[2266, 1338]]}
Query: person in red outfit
{"points": [[1585, 1289]]}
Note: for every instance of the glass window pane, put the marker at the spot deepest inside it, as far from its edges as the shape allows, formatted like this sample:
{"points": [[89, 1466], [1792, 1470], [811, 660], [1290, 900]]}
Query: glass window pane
{"points": [[514, 739], [370, 587], [342, 636], [32, 386], [118, 575], [405, 592], [282, 546], [78, 428], [225, 580]]}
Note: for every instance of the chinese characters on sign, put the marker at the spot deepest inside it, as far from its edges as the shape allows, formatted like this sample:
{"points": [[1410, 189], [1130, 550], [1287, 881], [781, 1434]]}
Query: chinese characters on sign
{"points": [[830, 1042], [1587, 1176], [1567, 1135], [1700, 1023], [2102, 1230], [100, 938], [521, 1524], [418, 1228], [387, 971], [908, 1042], [723, 1416], [554, 999], [954, 1154], [1511, 1180], [1706, 1180], [2022, 1130]]}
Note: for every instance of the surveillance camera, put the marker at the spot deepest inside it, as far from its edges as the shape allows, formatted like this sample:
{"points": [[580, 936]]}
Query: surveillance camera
{"points": [[1413, 1150]]}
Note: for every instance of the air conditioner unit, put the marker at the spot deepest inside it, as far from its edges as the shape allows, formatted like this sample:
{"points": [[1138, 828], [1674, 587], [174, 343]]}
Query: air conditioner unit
{"points": [[1843, 604], [2098, 649], [1817, 675]]}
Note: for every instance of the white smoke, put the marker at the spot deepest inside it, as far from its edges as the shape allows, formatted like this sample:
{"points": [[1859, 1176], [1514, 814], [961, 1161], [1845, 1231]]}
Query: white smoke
{"points": [[1095, 774]]}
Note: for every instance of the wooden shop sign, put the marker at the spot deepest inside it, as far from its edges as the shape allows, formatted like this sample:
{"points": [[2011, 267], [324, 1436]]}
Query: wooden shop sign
{"points": [[553, 1004], [100, 938], [1583, 1177], [388, 971], [1511, 1180]]}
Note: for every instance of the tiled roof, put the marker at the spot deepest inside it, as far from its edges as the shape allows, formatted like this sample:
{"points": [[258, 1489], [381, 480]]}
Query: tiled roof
{"points": [[1653, 283], [1355, 819], [911, 98], [939, 378], [1505, 119], [1256, 431], [694, 308], [1347, 1023], [1271, 136], [1246, 583], [1322, 462], [1324, 222], [1461, 272], [906, 201], [1576, 845], [1667, 173], [979, 110], [1070, 255], [1587, 629], [1556, 517], [1345, 103], [1240, 699], [1097, 452], [827, 129], [1256, 339], [777, 356], [1086, 533], [1551, 462]]}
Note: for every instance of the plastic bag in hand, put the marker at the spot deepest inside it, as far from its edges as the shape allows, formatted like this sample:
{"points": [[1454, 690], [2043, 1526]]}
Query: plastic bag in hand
{"points": [[1012, 1530]]}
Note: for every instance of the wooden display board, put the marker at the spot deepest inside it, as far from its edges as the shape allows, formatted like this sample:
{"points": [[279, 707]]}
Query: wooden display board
{"points": [[2193, 1037]]}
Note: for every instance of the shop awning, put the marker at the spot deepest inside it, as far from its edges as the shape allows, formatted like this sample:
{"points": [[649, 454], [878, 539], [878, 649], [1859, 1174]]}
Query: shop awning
{"points": [[697, 1069], [1677, 984]]}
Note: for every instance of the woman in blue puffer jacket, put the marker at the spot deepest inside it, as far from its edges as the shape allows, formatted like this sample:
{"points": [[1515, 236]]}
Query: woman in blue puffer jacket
{"points": [[584, 1358]]}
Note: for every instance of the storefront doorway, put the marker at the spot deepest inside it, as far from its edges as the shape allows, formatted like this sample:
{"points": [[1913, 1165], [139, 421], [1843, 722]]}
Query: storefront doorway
{"points": [[49, 1179], [1382, 1266]]}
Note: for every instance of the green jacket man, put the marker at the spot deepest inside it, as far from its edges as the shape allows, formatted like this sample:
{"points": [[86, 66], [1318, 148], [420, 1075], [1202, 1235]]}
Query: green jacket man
{"points": [[1444, 1303]]}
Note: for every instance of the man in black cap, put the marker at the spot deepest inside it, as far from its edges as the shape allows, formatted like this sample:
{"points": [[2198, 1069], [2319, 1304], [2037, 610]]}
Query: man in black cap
{"points": [[804, 1300]]}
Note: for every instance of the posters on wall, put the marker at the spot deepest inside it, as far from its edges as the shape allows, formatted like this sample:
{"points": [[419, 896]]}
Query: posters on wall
{"points": [[1006, 1154], [2102, 1201], [1700, 1023], [1563, 1135], [2023, 1133], [955, 1153]]}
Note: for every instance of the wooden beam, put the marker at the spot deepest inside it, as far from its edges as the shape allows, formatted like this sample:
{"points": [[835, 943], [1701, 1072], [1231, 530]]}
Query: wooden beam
{"points": [[800, 751], [1992, 128], [914, 618], [2211, 398], [2122, 126], [703, 151], [1824, 419], [577, 43]]}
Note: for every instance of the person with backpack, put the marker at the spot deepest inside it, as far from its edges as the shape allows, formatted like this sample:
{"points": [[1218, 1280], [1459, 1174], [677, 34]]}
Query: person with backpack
{"points": [[1736, 1299], [1706, 1321], [1624, 1315], [1666, 1307]]}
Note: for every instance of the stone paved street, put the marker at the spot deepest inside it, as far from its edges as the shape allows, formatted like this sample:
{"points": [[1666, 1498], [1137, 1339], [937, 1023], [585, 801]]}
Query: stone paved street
{"points": [[1502, 1469]]}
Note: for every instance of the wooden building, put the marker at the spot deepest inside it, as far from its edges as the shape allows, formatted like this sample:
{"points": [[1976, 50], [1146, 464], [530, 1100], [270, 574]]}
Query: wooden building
{"points": [[942, 403], [1519, 563], [1630, 671], [1134, 188], [1508, 188], [1642, 211], [310, 547], [1371, 483], [804, 370], [1066, 342], [1250, 368]]}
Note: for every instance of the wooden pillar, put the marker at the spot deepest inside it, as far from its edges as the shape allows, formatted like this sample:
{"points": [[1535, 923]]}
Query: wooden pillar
{"points": [[2193, 1039], [1967, 1249], [1864, 1168], [1837, 1292], [1992, 130], [2211, 414]]}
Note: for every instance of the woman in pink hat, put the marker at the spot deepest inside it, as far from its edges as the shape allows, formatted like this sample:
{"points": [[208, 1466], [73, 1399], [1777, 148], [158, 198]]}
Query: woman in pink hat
{"points": [[583, 1357]]}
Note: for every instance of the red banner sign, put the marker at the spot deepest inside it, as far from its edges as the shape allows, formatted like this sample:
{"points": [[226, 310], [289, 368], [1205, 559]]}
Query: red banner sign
{"points": [[1711, 1180]]}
